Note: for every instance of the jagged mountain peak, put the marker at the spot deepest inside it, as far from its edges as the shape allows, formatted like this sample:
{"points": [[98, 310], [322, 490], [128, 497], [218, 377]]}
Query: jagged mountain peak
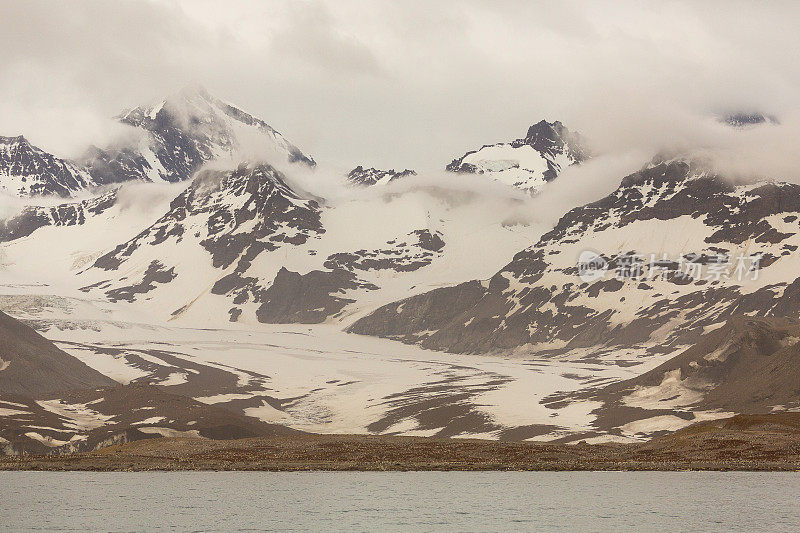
{"points": [[554, 137], [527, 163], [184, 131], [373, 176], [225, 220], [543, 128], [18, 139], [27, 170]]}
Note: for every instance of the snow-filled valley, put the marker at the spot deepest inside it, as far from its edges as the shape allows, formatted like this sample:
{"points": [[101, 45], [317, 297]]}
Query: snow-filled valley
{"points": [[317, 378]]}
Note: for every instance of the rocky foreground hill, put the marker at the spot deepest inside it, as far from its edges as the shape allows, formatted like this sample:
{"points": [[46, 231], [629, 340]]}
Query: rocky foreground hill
{"points": [[52, 403]]}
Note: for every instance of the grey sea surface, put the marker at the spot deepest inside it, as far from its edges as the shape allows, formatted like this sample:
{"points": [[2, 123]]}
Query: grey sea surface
{"points": [[400, 501]]}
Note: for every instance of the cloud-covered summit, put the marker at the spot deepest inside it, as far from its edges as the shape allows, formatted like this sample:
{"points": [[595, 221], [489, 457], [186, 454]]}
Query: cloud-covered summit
{"points": [[398, 85]]}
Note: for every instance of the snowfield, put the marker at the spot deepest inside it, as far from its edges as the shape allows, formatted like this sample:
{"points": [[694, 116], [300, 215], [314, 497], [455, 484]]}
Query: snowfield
{"points": [[327, 381]]}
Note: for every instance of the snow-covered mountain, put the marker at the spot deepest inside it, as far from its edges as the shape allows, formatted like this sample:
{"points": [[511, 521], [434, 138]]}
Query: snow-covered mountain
{"points": [[26, 170], [676, 250], [246, 246], [526, 163], [372, 176], [212, 233], [181, 133]]}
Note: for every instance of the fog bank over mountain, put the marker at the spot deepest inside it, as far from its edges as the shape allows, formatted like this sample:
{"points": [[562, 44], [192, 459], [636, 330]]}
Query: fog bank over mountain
{"points": [[397, 85]]}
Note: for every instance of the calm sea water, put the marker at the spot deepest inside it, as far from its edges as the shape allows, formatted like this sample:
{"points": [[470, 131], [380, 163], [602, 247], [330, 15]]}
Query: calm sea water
{"points": [[430, 501]]}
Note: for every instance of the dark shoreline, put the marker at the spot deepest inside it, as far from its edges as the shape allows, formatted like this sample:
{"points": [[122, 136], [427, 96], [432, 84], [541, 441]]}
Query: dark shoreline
{"points": [[693, 451]]}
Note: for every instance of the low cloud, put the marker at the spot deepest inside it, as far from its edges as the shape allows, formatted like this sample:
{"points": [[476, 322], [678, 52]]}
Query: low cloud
{"points": [[415, 84]]}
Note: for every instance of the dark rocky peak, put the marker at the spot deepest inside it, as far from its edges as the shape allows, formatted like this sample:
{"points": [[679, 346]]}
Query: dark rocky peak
{"points": [[20, 145], [513, 163], [546, 132], [27, 170], [187, 129], [373, 176], [744, 120], [19, 139], [554, 137]]}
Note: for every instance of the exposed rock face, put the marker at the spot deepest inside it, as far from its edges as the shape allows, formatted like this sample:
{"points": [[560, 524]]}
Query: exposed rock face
{"points": [[372, 176], [318, 295], [182, 133], [31, 365], [307, 299], [68, 214], [405, 256], [26, 170], [120, 164], [409, 319], [670, 208], [155, 273], [749, 365], [526, 163]]}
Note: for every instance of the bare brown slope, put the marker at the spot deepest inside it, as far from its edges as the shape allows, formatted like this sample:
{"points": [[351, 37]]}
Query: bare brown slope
{"points": [[749, 365], [82, 420], [33, 366]]}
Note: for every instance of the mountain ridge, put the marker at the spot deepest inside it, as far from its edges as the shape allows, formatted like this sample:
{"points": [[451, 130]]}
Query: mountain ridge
{"points": [[27, 170], [534, 299]]}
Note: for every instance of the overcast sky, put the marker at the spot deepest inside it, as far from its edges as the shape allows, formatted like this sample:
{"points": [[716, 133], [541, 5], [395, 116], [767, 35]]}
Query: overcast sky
{"points": [[408, 83]]}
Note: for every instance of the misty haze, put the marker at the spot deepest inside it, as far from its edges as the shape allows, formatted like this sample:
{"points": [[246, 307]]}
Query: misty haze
{"points": [[292, 235]]}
